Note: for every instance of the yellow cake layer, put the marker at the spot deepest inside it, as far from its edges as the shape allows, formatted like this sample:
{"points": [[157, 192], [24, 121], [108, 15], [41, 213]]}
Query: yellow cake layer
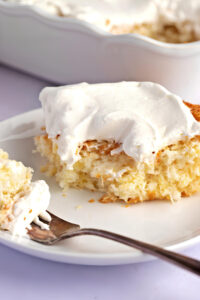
{"points": [[14, 179], [175, 171]]}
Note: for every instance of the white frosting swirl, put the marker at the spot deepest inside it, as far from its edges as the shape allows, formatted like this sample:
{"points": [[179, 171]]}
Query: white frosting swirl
{"points": [[143, 117]]}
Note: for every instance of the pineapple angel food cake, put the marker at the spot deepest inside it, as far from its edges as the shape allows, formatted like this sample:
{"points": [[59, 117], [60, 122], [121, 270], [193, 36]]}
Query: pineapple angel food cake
{"points": [[21, 201], [170, 21], [133, 141]]}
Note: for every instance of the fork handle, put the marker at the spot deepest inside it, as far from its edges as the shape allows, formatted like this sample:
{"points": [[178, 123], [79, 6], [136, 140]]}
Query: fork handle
{"points": [[180, 260]]}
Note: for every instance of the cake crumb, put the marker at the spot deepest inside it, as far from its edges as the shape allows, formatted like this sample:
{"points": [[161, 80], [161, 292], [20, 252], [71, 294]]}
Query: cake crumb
{"points": [[78, 206], [106, 199], [91, 201], [107, 22], [64, 195], [43, 169], [126, 205]]}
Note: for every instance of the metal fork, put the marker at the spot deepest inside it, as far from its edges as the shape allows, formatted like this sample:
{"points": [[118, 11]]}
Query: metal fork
{"points": [[60, 230]]}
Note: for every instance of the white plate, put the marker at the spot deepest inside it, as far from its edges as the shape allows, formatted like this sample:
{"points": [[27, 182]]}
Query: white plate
{"points": [[171, 225]]}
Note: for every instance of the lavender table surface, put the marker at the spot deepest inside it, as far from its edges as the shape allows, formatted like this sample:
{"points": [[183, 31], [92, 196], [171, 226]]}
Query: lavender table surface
{"points": [[25, 277]]}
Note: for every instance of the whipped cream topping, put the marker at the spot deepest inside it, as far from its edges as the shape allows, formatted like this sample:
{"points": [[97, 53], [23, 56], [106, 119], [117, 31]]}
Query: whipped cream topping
{"points": [[27, 207], [143, 117], [97, 12], [120, 12], [178, 11]]}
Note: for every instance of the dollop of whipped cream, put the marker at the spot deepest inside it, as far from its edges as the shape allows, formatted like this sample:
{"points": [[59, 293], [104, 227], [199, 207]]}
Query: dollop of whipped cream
{"points": [[143, 117], [27, 207]]}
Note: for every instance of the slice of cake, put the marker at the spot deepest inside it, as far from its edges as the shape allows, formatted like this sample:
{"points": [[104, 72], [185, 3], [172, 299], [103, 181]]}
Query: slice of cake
{"points": [[134, 141], [21, 201]]}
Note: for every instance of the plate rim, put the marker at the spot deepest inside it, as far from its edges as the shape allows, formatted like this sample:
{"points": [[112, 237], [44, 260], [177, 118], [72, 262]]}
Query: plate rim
{"points": [[93, 259], [103, 259]]}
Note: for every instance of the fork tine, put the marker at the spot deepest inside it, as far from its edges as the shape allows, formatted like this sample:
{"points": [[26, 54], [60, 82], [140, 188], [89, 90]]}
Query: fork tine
{"points": [[40, 235], [57, 229]]}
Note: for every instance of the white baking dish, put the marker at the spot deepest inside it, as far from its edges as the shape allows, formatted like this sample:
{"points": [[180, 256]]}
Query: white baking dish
{"points": [[65, 50]]}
